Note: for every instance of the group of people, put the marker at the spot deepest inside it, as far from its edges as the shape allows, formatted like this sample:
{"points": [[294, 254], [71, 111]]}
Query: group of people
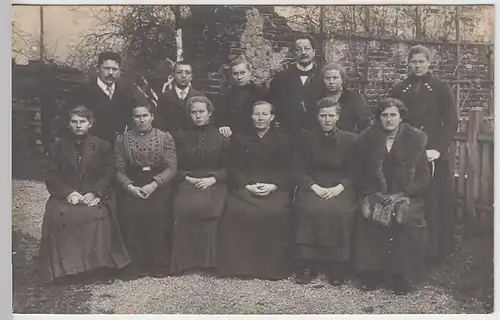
{"points": [[295, 180]]}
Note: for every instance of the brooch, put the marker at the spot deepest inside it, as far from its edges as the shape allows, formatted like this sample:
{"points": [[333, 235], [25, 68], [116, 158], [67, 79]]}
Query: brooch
{"points": [[428, 86]]}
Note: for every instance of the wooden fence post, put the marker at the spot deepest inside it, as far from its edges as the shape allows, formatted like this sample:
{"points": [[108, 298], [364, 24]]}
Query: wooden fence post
{"points": [[473, 165]]}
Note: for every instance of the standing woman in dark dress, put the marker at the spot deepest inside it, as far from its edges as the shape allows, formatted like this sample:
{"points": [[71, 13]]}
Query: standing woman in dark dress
{"points": [[432, 109], [80, 231], [253, 230], [393, 176], [146, 163], [200, 193], [325, 200], [354, 114]]}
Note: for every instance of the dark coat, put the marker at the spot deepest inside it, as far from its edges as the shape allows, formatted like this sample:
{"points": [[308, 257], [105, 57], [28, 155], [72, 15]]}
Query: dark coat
{"points": [[63, 176], [172, 115], [234, 108], [411, 174], [111, 115], [97, 168], [398, 248], [294, 101], [431, 108]]}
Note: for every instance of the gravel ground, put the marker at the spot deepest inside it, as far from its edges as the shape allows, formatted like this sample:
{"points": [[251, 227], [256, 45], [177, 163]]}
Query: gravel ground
{"points": [[199, 293]]}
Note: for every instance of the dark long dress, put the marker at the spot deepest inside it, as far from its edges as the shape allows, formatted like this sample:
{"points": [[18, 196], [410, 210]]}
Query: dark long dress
{"points": [[397, 248], [201, 153], [432, 109], [146, 223], [253, 230], [79, 238], [324, 226]]}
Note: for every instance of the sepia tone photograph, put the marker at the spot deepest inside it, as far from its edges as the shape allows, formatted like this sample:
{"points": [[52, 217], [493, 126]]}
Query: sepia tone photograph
{"points": [[252, 159]]}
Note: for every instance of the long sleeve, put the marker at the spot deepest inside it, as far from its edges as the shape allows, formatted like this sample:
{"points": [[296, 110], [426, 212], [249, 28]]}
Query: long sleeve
{"points": [[300, 163], [121, 163], [355, 115], [169, 160], [284, 177], [422, 177], [55, 186], [107, 163], [352, 166], [238, 168], [273, 96], [221, 174], [449, 118], [162, 114]]}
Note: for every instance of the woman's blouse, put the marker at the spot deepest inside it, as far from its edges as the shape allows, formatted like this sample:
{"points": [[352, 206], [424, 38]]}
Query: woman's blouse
{"points": [[154, 148]]}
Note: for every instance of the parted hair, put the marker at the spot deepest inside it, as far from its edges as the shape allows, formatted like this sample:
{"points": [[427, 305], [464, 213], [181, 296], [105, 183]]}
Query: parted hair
{"points": [[237, 61], [257, 103], [327, 102], [81, 111], [109, 55], [390, 102], [419, 49], [191, 101], [335, 66]]}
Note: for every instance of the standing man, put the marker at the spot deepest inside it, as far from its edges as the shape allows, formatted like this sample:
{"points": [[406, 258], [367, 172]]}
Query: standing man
{"points": [[172, 115], [292, 91], [432, 109], [110, 102], [234, 110]]}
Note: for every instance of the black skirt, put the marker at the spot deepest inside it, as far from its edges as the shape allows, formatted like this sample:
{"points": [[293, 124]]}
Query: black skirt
{"points": [[146, 223], [253, 236]]}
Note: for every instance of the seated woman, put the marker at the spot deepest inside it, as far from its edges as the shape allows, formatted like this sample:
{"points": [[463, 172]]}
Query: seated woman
{"points": [[146, 163], [200, 194], [325, 201], [253, 229], [80, 232], [354, 114], [391, 233]]}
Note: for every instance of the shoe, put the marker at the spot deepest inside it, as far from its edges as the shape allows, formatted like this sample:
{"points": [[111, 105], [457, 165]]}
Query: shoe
{"points": [[400, 285], [304, 276], [130, 273], [335, 279], [370, 282], [159, 272]]}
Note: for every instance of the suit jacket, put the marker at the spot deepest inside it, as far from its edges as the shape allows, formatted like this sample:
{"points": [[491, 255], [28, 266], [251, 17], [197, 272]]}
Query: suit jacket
{"points": [[111, 115], [294, 101], [64, 174], [234, 108], [431, 108], [172, 115]]}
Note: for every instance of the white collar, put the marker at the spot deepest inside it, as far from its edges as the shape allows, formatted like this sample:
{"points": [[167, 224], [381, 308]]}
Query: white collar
{"points": [[104, 86], [301, 68], [178, 90]]}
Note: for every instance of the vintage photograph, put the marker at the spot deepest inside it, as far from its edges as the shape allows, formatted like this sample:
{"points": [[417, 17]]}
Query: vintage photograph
{"points": [[250, 159]]}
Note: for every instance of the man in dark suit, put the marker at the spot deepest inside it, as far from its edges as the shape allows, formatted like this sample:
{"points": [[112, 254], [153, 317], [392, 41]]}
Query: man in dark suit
{"points": [[292, 91], [234, 109], [172, 115], [110, 102]]}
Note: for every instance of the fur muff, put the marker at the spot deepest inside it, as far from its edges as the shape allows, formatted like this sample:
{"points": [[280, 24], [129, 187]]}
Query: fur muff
{"points": [[374, 210]]}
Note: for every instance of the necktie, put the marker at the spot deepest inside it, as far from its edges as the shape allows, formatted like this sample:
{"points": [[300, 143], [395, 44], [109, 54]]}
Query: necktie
{"points": [[109, 91], [183, 94]]}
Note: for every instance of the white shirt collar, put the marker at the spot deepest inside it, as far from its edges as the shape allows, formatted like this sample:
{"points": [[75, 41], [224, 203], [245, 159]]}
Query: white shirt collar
{"points": [[301, 68], [178, 91], [104, 86]]}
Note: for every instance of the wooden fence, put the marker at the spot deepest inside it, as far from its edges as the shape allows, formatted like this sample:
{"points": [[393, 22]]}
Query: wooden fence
{"points": [[473, 147]]}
